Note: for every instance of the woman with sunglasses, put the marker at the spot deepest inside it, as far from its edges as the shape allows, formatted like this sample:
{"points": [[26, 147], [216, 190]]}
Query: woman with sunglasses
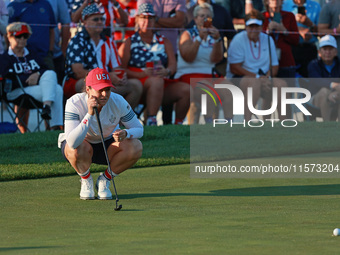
{"points": [[36, 80], [149, 57]]}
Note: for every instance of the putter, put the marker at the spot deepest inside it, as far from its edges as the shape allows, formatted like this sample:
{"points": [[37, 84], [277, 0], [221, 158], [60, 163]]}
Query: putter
{"points": [[107, 159]]}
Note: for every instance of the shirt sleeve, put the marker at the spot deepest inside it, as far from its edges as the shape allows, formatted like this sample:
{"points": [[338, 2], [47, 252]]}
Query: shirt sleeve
{"points": [[236, 50], [63, 14], [325, 16], [129, 119], [75, 128], [181, 6]]}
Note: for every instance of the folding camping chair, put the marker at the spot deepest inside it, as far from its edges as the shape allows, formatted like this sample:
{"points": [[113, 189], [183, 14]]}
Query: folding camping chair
{"points": [[24, 101]]}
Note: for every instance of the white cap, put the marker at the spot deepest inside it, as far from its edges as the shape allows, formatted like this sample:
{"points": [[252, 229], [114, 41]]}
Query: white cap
{"points": [[328, 40], [254, 21]]}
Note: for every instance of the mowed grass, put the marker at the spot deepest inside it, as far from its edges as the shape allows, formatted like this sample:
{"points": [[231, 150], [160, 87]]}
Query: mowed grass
{"points": [[167, 212], [164, 210]]}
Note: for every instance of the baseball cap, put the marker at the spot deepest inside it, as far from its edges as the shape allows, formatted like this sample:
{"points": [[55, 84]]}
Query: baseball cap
{"points": [[98, 79], [89, 10], [146, 9], [254, 22], [328, 40], [23, 29]]}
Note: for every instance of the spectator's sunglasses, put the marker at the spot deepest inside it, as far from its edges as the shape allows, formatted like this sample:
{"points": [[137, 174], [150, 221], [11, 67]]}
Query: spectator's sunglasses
{"points": [[146, 17], [25, 36], [98, 19]]}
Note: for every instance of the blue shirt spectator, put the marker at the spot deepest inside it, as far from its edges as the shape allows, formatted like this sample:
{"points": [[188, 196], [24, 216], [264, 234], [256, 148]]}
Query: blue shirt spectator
{"points": [[312, 12], [61, 37], [325, 90], [38, 14]]}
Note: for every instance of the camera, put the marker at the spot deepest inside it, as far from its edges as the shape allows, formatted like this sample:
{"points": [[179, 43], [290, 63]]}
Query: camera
{"points": [[207, 22]]}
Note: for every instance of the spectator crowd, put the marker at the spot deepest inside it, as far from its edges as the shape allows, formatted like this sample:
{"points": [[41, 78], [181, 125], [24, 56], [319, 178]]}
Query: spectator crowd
{"points": [[164, 54]]}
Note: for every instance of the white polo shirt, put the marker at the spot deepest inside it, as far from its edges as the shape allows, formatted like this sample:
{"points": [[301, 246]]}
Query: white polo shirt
{"points": [[242, 50]]}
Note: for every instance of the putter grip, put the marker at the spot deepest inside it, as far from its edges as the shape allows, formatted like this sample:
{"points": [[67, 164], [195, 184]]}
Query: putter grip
{"points": [[98, 120]]}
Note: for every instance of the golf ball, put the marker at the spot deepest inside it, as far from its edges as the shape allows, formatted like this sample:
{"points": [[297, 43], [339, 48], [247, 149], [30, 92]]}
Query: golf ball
{"points": [[336, 232]]}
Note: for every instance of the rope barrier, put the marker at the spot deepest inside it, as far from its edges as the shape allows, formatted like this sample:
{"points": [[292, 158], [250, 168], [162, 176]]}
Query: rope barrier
{"points": [[118, 28]]}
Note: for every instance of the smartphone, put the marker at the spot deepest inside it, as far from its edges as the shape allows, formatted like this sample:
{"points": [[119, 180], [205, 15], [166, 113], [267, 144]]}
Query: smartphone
{"points": [[277, 17], [207, 22], [302, 10]]}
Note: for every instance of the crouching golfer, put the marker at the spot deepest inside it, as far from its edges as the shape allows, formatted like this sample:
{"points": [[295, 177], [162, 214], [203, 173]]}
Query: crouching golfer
{"points": [[81, 142]]}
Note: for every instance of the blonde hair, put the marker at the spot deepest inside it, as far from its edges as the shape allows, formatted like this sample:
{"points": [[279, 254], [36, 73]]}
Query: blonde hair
{"points": [[16, 27], [203, 6]]}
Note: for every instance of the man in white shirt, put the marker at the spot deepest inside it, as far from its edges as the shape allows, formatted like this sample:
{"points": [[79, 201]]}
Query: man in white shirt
{"points": [[252, 57]]}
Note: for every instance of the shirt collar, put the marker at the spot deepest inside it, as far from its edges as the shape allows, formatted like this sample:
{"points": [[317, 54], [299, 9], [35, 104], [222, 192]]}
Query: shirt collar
{"points": [[11, 53]]}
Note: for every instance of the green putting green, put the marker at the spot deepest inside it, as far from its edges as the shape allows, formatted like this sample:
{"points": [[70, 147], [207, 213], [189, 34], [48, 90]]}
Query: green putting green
{"points": [[167, 212]]}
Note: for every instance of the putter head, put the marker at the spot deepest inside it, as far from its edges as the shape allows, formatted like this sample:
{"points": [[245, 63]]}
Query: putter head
{"points": [[118, 207]]}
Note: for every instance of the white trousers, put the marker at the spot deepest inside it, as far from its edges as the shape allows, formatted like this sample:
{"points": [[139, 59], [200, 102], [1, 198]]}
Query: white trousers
{"points": [[47, 90]]}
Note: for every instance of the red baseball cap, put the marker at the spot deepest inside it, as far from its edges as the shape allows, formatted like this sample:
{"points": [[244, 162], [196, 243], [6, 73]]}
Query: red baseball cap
{"points": [[23, 30], [98, 79]]}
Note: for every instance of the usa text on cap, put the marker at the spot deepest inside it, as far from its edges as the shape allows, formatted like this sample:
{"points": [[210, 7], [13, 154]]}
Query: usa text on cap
{"points": [[98, 79]]}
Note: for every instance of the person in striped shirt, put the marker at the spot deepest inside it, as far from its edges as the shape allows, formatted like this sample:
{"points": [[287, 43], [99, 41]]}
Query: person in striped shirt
{"points": [[89, 49]]}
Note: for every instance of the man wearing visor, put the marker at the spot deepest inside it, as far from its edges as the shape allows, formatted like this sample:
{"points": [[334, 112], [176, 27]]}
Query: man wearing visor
{"points": [[252, 58]]}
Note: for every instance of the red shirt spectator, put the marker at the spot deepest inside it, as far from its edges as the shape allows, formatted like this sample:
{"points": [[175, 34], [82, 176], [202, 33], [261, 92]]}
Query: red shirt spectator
{"points": [[284, 40], [130, 7]]}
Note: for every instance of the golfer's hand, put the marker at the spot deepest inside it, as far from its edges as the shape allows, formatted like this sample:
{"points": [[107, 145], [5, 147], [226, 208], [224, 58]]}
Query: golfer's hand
{"points": [[91, 103], [119, 135]]}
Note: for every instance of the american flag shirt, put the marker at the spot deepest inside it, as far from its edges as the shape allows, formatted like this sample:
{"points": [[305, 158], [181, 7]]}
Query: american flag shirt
{"points": [[83, 50], [141, 52]]}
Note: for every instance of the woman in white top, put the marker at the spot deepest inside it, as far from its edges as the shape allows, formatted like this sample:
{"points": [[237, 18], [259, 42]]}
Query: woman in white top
{"points": [[200, 48], [81, 142], [250, 55]]}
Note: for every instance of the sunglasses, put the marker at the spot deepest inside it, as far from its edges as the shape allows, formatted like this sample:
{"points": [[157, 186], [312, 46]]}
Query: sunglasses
{"points": [[203, 16], [25, 36], [147, 17], [98, 19]]}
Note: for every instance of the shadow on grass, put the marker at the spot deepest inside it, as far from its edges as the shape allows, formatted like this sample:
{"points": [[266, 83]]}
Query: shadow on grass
{"points": [[3, 249], [304, 190]]}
